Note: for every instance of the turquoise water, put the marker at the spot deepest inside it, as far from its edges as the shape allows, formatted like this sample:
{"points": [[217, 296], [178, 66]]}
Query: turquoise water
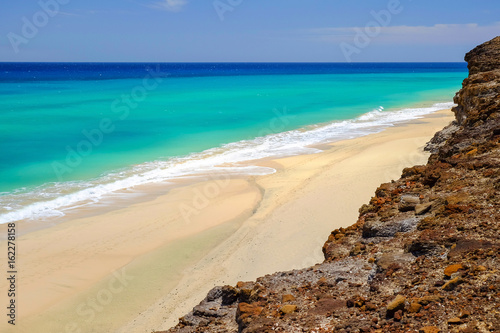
{"points": [[67, 139]]}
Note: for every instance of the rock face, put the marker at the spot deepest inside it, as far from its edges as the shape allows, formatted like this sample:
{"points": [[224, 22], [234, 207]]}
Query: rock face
{"points": [[485, 57], [423, 255], [478, 99]]}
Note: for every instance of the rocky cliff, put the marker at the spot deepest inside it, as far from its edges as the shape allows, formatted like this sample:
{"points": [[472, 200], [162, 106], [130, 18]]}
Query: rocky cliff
{"points": [[423, 255]]}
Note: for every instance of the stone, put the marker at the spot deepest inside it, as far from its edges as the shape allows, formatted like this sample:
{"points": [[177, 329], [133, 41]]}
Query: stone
{"points": [[398, 315], [327, 307], [395, 305], [287, 298], [207, 310], [408, 202], [439, 139], [247, 311], [454, 321], [429, 329], [421, 209], [414, 307], [464, 314], [192, 320], [229, 295], [429, 299], [378, 228], [389, 259], [452, 284], [286, 309], [448, 271], [484, 57], [214, 294], [370, 306]]}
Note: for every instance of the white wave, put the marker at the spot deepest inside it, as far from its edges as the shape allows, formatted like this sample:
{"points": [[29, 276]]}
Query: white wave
{"points": [[226, 159]]}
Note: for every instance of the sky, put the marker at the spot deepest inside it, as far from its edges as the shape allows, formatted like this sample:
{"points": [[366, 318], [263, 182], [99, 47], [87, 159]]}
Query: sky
{"points": [[245, 30]]}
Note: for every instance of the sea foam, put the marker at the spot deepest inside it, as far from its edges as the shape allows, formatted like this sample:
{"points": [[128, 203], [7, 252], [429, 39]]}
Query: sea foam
{"points": [[234, 158]]}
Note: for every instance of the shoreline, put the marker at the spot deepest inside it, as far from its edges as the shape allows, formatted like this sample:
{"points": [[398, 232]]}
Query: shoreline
{"points": [[240, 158], [241, 221]]}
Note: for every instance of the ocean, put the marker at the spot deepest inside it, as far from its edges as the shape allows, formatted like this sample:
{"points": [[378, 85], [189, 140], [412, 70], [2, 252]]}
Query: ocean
{"points": [[73, 134]]}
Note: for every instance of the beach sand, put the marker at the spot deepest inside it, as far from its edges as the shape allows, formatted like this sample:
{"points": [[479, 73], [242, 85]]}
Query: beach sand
{"points": [[139, 268]]}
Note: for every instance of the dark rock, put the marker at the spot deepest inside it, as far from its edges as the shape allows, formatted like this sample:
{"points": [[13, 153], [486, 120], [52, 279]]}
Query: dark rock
{"points": [[214, 294], [207, 310], [441, 137], [229, 295]]}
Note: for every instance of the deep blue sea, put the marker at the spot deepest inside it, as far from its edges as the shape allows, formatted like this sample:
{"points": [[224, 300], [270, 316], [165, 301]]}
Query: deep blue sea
{"points": [[73, 133]]}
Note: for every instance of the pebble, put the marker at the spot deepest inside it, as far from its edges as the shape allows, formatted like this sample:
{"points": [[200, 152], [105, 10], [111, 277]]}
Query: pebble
{"points": [[397, 303], [448, 271], [414, 307], [429, 329], [450, 285], [285, 309]]}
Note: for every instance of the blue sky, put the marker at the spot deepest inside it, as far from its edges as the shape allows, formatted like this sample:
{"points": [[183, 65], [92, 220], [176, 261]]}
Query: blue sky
{"points": [[245, 30]]}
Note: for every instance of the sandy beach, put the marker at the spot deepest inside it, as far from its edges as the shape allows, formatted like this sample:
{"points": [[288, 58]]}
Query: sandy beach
{"points": [[138, 268]]}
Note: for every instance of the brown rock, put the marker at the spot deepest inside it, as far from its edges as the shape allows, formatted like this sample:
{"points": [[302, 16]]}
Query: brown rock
{"points": [[398, 315], [448, 271], [395, 305], [371, 306], [246, 311], [287, 298], [464, 314], [322, 281], [429, 329], [414, 307], [452, 284], [421, 209], [480, 268], [408, 202], [327, 306], [454, 321], [359, 302], [286, 309], [429, 299], [484, 57]]}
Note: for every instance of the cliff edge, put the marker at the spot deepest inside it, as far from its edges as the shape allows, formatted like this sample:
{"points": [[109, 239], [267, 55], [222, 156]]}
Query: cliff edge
{"points": [[423, 255]]}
